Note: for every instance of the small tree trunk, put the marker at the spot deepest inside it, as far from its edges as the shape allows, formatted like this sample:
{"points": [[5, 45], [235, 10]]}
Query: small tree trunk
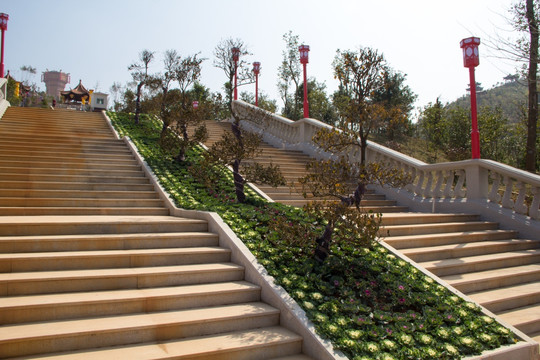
{"points": [[238, 182], [323, 243], [138, 102], [363, 149], [181, 157], [238, 179], [532, 119]]}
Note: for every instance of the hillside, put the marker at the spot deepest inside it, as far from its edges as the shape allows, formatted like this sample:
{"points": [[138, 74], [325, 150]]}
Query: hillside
{"points": [[511, 96]]}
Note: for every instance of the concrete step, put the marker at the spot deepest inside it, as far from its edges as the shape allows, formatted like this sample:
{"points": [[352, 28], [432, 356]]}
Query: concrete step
{"points": [[68, 172], [96, 133], [526, 319], [51, 282], [120, 160], [32, 153], [419, 241], [72, 141], [496, 278], [445, 267], [363, 203], [409, 218], [422, 229], [78, 202], [77, 186], [88, 211], [110, 259], [452, 251], [535, 336], [39, 308], [87, 242], [51, 128], [63, 148], [43, 175], [510, 297], [77, 225], [282, 196], [288, 190], [86, 165], [258, 344], [69, 335], [77, 194]]}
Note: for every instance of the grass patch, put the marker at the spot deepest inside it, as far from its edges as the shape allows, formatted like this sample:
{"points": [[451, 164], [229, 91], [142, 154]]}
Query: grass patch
{"points": [[369, 303]]}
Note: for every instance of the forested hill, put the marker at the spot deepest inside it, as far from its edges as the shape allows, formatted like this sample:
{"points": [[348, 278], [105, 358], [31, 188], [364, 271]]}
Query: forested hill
{"points": [[511, 96]]}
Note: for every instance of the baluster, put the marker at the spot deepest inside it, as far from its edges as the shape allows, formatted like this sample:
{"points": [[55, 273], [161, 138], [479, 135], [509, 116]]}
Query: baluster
{"points": [[427, 190], [411, 172], [459, 191], [494, 195], [507, 197], [437, 192], [520, 206], [420, 183], [534, 211], [448, 192]]}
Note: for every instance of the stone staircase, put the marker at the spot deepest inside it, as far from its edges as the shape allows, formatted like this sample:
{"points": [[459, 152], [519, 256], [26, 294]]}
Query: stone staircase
{"points": [[92, 266], [493, 266]]}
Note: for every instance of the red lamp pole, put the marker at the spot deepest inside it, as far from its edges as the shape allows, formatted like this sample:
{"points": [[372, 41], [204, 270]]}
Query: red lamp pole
{"points": [[304, 57], [471, 60], [3, 26], [236, 56], [256, 70]]}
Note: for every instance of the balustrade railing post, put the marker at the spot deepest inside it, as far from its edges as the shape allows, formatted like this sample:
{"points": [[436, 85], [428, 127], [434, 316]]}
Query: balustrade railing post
{"points": [[476, 178]]}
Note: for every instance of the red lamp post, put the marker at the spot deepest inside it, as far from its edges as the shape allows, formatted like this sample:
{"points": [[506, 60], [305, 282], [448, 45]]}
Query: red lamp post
{"points": [[304, 57], [3, 26], [235, 56], [472, 60], [256, 70]]}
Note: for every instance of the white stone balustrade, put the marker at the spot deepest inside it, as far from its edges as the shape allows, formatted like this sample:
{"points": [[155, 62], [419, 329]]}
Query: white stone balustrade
{"points": [[479, 179], [4, 104]]}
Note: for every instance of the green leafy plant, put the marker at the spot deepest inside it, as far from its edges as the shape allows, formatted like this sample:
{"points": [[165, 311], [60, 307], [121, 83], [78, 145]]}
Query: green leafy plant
{"points": [[368, 302]]}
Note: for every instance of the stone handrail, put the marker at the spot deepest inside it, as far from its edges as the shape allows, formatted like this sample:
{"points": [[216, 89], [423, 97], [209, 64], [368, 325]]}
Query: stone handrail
{"points": [[486, 180]]}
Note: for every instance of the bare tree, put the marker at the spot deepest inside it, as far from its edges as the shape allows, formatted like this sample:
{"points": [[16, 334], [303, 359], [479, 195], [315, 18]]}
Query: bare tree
{"points": [[531, 13], [224, 60], [289, 74], [524, 50], [139, 72]]}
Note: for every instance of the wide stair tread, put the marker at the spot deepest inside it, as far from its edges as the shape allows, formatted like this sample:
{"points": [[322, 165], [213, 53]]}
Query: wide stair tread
{"points": [[440, 252], [482, 262], [494, 278], [450, 238], [508, 297], [77, 334], [266, 343], [526, 319]]}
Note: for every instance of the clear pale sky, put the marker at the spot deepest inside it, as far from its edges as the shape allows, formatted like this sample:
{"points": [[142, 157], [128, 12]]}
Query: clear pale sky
{"points": [[95, 41]]}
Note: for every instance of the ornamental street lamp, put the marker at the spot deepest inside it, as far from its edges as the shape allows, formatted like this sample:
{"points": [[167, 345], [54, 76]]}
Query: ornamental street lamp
{"points": [[256, 70], [472, 60], [235, 56], [304, 57], [3, 26]]}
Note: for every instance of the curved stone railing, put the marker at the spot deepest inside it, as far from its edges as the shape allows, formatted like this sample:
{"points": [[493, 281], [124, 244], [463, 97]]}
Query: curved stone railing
{"points": [[486, 180], [4, 104]]}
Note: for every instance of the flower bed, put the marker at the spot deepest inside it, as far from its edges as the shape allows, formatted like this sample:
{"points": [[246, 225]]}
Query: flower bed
{"points": [[369, 303]]}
